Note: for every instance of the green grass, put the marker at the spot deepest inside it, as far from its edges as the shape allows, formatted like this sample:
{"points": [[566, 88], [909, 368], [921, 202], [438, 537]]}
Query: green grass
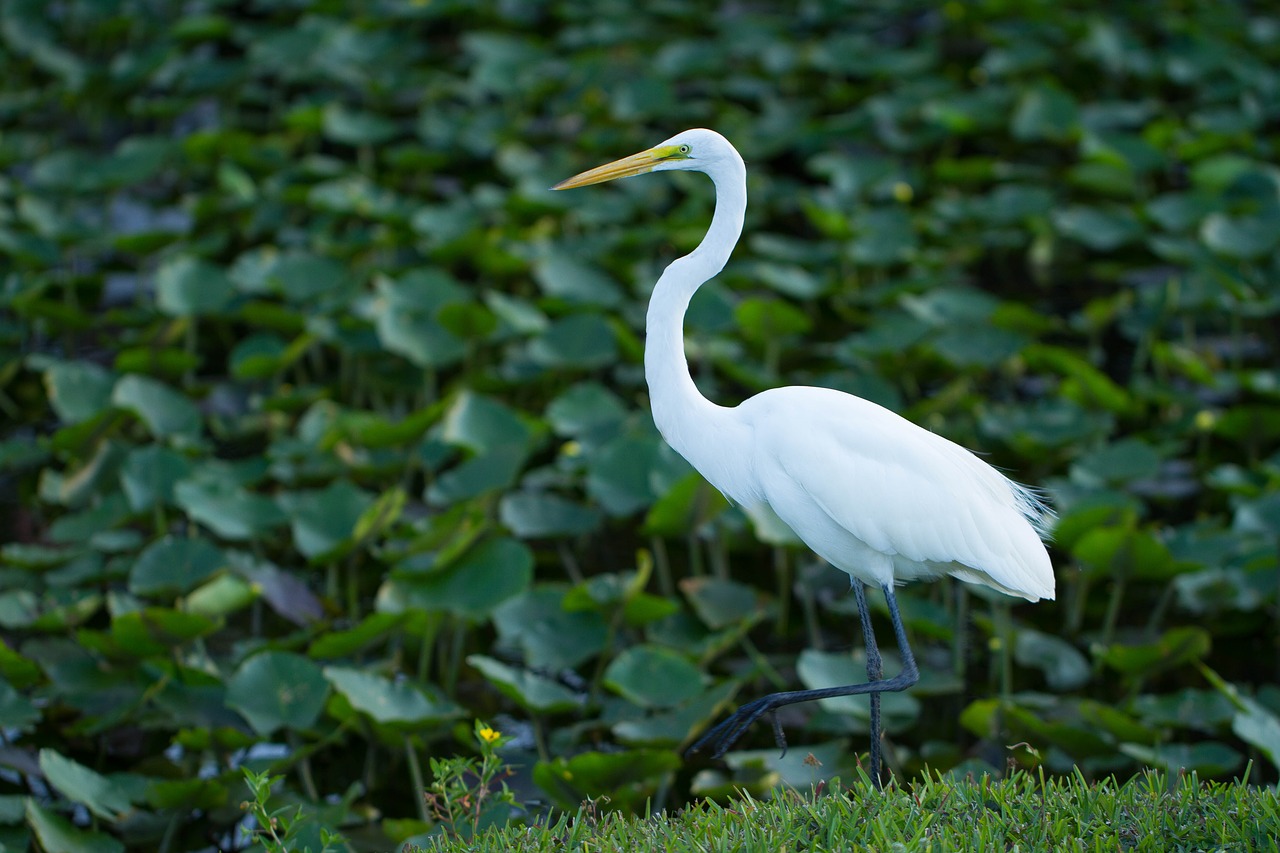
{"points": [[1024, 812]]}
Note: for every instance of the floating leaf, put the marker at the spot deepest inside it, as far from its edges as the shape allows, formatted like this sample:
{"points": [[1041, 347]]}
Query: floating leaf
{"points": [[818, 669], [16, 711], [1064, 667], [720, 602], [191, 287], [542, 514], [529, 690], [628, 778], [1045, 112], [324, 520], [552, 638], [387, 701], [219, 503], [653, 676], [472, 586], [577, 341], [276, 690], [562, 275], [585, 407], [78, 390], [82, 785], [1103, 229], [59, 835], [165, 412], [149, 474], [1242, 236], [1176, 647], [174, 564]]}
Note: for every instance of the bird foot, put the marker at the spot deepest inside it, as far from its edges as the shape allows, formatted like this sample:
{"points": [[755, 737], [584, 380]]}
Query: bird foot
{"points": [[727, 733]]}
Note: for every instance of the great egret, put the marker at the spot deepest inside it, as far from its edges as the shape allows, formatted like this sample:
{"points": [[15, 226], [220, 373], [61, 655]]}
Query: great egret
{"points": [[870, 492]]}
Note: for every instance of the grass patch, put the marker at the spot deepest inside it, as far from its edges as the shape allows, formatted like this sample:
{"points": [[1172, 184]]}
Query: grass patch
{"points": [[1028, 812]]}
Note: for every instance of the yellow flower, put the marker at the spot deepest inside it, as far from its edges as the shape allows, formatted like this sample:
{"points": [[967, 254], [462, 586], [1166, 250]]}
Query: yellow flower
{"points": [[489, 735], [902, 192]]}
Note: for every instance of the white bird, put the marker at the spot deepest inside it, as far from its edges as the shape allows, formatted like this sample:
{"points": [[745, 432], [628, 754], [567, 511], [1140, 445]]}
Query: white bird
{"points": [[870, 492]]}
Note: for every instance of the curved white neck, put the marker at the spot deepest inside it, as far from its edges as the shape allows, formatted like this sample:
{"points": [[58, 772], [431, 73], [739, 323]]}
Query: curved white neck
{"points": [[698, 429]]}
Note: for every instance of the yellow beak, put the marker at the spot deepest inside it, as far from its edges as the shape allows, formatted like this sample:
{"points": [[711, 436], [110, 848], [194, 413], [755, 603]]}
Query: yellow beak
{"points": [[636, 164]]}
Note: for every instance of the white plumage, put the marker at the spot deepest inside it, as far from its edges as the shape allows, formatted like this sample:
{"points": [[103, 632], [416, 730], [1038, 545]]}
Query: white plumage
{"points": [[870, 492]]}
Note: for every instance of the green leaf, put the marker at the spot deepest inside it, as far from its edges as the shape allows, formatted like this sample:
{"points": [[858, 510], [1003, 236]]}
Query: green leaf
{"points": [[885, 237], [420, 339], [472, 586], [767, 320], [165, 411], [224, 594], [174, 565], [1045, 112], [214, 499], [818, 669], [1253, 723], [531, 515], [17, 711], [356, 127], [149, 474], [303, 277], [157, 631], [387, 701], [59, 835], [1176, 647], [258, 356], [720, 602], [1123, 550], [1103, 229], [653, 676], [1064, 667], [551, 637], [581, 341], [586, 407], [488, 472], [191, 287], [561, 275], [372, 629], [1118, 463], [1243, 237], [1208, 758], [482, 424], [275, 690], [531, 691], [78, 390], [621, 475], [627, 778], [324, 520], [82, 785]]}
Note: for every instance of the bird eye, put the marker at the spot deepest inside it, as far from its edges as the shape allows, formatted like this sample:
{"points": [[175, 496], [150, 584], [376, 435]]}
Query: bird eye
{"points": [[684, 149]]}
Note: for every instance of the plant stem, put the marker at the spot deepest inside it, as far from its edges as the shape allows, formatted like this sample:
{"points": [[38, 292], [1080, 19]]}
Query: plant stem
{"points": [[415, 774]]}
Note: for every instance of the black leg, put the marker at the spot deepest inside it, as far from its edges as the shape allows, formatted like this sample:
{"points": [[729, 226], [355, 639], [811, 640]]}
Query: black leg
{"points": [[723, 736], [875, 672]]}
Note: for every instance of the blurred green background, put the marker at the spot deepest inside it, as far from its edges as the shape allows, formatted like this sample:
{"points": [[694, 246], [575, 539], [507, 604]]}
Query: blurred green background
{"points": [[325, 430]]}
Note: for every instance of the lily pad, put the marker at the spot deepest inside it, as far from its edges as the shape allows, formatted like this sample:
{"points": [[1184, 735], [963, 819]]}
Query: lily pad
{"points": [[653, 676], [82, 785], [531, 691], [174, 564], [191, 287], [166, 412], [472, 586], [388, 701], [324, 520], [275, 690], [78, 390]]}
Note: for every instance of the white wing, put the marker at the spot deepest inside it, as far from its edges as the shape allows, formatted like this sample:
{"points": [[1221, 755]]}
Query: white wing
{"points": [[857, 481]]}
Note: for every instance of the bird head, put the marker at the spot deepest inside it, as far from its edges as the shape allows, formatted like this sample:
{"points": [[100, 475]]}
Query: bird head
{"points": [[696, 150]]}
